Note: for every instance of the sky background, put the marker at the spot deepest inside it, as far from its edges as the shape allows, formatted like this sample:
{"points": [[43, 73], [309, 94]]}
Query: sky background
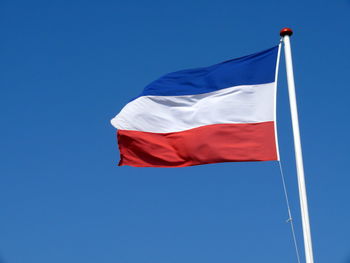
{"points": [[67, 67]]}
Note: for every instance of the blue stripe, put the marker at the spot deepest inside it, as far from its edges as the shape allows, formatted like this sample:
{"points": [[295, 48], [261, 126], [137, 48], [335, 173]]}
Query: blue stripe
{"points": [[258, 68]]}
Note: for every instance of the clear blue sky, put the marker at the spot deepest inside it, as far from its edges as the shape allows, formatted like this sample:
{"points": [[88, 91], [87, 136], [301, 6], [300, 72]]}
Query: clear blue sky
{"points": [[67, 67]]}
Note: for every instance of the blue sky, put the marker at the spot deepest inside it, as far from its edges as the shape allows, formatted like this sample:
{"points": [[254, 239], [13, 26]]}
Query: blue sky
{"points": [[67, 67]]}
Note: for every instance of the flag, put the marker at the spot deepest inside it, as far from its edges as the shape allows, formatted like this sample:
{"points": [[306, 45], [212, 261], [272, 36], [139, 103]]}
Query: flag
{"points": [[222, 113]]}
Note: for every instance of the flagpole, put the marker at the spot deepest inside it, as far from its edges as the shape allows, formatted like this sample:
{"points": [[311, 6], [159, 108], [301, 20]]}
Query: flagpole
{"points": [[285, 34]]}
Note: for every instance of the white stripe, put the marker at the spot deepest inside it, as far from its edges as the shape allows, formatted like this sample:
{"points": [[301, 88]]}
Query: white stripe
{"points": [[163, 114]]}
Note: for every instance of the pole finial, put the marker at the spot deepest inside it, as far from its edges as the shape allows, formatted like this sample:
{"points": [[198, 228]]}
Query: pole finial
{"points": [[286, 32]]}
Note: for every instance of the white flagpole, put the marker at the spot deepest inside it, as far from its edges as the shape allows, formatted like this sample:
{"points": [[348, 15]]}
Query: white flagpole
{"points": [[285, 34]]}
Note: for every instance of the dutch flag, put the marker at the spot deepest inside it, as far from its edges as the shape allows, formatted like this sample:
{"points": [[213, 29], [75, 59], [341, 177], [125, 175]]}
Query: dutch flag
{"points": [[221, 113]]}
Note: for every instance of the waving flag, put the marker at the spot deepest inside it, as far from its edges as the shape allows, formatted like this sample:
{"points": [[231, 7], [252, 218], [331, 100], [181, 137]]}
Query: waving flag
{"points": [[220, 113]]}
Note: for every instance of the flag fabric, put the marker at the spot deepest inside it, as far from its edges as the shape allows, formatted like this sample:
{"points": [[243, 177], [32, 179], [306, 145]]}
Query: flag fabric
{"points": [[221, 113]]}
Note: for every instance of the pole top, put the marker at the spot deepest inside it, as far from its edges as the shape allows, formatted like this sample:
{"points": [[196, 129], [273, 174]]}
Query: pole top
{"points": [[286, 32]]}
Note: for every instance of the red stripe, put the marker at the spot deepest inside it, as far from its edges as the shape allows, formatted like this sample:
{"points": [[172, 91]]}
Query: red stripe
{"points": [[206, 144]]}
